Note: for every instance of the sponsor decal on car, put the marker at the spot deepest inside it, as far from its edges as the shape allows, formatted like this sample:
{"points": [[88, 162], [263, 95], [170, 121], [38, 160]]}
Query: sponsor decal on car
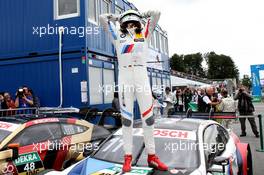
{"points": [[165, 133], [8, 126], [139, 39], [45, 120], [117, 169], [28, 164]]}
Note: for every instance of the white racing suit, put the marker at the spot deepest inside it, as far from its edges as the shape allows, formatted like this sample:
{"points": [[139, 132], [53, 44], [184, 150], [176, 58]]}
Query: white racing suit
{"points": [[133, 81]]}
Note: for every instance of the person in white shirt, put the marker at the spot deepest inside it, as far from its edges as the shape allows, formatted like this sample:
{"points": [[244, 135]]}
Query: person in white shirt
{"points": [[206, 102], [170, 99], [227, 104], [156, 106]]}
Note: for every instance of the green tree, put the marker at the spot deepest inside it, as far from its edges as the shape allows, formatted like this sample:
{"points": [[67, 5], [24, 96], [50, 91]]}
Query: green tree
{"points": [[176, 63], [221, 66], [193, 64]]}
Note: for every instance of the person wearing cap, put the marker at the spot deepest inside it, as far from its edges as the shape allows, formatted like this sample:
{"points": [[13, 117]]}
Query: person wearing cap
{"points": [[130, 39]]}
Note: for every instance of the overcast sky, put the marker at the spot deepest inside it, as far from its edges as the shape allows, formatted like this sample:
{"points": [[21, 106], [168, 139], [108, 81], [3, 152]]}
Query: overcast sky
{"points": [[230, 27]]}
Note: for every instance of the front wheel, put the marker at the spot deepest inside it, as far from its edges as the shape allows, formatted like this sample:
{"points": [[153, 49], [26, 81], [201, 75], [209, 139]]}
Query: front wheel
{"points": [[249, 162]]}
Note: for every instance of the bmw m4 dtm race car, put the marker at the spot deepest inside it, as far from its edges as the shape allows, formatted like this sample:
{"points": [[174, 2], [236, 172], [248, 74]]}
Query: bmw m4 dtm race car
{"points": [[187, 146], [30, 144]]}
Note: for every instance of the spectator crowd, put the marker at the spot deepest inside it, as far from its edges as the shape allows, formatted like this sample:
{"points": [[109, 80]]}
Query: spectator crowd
{"points": [[208, 99], [24, 98]]}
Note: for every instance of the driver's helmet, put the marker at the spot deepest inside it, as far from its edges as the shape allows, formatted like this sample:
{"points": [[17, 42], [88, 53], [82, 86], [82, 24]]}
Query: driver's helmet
{"points": [[130, 15]]}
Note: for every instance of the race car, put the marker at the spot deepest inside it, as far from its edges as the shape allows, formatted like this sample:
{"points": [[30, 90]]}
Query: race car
{"points": [[29, 146], [187, 146]]}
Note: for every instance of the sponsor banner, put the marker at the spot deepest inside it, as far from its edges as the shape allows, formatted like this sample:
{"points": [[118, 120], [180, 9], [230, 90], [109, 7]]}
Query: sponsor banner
{"points": [[8, 126], [165, 133]]}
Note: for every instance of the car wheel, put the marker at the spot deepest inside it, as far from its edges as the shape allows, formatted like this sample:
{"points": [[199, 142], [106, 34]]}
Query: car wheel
{"points": [[249, 161]]}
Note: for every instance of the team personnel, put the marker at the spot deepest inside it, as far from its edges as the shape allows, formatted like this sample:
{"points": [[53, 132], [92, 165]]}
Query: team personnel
{"points": [[205, 102]]}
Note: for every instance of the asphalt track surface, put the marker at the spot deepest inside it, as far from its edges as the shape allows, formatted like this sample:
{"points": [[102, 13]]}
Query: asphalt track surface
{"points": [[258, 157]]}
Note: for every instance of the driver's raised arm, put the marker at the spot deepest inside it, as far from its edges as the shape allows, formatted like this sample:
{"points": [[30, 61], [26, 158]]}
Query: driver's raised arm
{"points": [[152, 20], [106, 20]]}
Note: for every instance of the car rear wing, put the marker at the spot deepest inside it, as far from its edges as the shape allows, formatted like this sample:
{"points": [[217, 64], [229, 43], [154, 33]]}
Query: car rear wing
{"points": [[92, 115], [33, 113], [56, 110], [42, 110]]}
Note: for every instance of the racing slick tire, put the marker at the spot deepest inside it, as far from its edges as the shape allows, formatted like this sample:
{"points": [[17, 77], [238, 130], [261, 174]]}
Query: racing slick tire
{"points": [[244, 159]]}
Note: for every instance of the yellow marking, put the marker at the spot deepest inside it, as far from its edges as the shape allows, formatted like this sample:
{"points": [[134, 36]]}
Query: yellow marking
{"points": [[139, 35]]}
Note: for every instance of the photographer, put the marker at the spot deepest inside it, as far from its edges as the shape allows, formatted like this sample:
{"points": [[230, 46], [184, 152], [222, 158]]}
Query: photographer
{"points": [[2, 100], [23, 98], [245, 107]]}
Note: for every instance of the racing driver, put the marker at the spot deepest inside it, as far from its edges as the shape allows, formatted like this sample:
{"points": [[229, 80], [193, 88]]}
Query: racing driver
{"points": [[130, 39]]}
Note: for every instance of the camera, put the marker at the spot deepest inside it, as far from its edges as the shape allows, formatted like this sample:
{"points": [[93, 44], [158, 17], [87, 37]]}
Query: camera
{"points": [[20, 93], [241, 90]]}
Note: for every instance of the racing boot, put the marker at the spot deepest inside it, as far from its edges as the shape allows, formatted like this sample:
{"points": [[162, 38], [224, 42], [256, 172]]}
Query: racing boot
{"points": [[127, 163], [155, 163]]}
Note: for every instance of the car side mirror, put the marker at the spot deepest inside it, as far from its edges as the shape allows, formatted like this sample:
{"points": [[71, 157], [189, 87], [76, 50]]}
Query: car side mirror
{"points": [[221, 161], [14, 147], [218, 160], [87, 153]]}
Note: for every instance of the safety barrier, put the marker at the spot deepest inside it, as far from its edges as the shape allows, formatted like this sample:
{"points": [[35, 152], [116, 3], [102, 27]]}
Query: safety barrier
{"points": [[18, 111], [261, 149], [223, 115], [260, 134], [92, 115], [37, 111]]}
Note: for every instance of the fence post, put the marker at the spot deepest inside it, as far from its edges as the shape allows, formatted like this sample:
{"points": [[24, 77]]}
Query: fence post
{"points": [[261, 134]]}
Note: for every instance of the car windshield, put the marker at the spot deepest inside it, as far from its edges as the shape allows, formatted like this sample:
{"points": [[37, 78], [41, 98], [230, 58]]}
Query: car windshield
{"points": [[3, 134], [112, 150], [176, 148], [175, 153]]}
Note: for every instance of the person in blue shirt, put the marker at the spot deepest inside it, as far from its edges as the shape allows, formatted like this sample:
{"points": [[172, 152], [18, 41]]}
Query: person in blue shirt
{"points": [[24, 98]]}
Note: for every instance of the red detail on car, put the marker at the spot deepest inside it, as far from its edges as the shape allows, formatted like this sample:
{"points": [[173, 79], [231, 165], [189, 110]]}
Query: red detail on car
{"points": [[62, 153], [44, 120], [235, 137], [242, 148], [71, 121]]}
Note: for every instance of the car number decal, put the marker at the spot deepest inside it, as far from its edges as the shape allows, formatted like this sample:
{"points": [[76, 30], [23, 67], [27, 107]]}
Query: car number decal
{"points": [[28, 164]]}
